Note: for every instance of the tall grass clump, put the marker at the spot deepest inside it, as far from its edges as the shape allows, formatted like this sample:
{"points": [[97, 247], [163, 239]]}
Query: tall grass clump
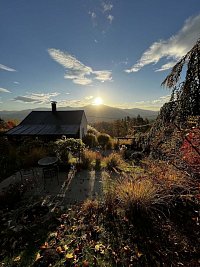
{"points": [[140, 199], [113, 161], [88, 158], [98, 161]]}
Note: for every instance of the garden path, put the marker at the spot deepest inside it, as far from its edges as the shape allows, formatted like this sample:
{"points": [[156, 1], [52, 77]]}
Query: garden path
{"points": [[73, 187]]}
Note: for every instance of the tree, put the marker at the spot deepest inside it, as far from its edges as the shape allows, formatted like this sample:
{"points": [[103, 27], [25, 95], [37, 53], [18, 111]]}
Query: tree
{"points": [[185, 95]]}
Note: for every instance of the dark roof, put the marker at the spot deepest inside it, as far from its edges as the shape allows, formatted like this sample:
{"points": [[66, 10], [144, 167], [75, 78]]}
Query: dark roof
{"points": [[49, 123], [59, 117]]}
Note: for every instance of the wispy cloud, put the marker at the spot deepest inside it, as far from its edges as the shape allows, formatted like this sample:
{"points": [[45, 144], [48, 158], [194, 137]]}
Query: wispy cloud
{"points": [[92, 14], [76, 70], [16, 82], [172, 49], [103, 75], [155, 104], [4, 90], [110, 18], [88, 100], [3, 67], [107, 6], [166, 66], [36, 98], [101, 15], [89, 97]]}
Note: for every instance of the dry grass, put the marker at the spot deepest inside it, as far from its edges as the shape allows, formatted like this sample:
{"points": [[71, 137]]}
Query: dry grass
{"points": [[90, 206], [167, 174], [91, 159], [113, 161]]}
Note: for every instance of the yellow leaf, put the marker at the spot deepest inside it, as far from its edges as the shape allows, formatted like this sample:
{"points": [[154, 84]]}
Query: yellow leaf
{"points": [[65, 247], [38, 257], [97, 247], [18, 258], [69, 256], [139, 254]]}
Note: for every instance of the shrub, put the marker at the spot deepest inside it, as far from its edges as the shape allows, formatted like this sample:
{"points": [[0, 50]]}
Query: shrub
{"points": [[92, 130], [66, 147], [90, 140], [31, 159], [103, 140]]}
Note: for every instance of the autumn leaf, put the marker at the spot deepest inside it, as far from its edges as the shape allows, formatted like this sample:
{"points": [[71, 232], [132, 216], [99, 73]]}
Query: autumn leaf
{"points": [[18, 258], [59, 250], [46, 245], [69, 256], [85, 263], [38, 257], [65, 247]]}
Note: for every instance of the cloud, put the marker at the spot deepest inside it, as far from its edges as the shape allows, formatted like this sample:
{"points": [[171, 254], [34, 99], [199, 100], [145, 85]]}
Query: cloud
{"points": [[166, 66], [77, 71], [155, 104], [107, 7], [103, 75], [110, 18], [89, 97], [16, 82], [172, 49], [36, 98], [101, 15], [92, 14], [3, 67], [3, 90]]}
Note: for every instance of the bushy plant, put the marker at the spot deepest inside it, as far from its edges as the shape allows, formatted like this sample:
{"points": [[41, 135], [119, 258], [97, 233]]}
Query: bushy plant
{"points": [[31, 159], [90, 140], [66, 147], [92, 130], [103, 140]]}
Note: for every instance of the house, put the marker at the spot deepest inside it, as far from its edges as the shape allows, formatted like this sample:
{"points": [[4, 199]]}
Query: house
{"points": [[51, 124]]}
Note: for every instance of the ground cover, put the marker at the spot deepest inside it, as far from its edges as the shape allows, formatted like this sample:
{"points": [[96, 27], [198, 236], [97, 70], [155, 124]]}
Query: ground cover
{"points": [[146, 217]]}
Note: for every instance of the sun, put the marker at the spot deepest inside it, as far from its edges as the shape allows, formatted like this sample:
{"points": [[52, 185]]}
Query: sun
{"points": [[98, 101]]}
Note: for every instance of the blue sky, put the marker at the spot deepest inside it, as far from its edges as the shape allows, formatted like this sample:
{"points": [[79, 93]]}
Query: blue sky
{"points": [[73, 51]]}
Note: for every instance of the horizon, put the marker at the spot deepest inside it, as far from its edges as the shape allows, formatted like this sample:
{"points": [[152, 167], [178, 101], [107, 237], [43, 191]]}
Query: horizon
{"points": [[77, 53], [81, 107]]}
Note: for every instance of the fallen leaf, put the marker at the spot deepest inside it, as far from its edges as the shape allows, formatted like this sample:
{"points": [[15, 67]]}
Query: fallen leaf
{"points": [[85, 263], [18, 258], [69, 256]]}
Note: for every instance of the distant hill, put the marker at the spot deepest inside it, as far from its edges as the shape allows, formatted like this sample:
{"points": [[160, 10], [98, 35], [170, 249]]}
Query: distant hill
{"points": [[93, 113]]}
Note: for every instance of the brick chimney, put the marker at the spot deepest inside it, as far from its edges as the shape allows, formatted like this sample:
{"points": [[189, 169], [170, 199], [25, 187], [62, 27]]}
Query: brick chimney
{"points": [[53, 106]]}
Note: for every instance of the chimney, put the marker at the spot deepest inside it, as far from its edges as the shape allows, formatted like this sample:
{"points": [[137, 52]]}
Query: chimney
{"points": [[53, 105]]}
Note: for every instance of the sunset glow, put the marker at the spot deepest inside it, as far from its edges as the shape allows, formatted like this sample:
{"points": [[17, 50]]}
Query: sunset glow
{"points": [[98, 101]]}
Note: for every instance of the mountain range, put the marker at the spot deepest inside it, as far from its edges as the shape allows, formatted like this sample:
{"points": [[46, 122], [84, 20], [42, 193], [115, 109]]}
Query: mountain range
{"points": [[93, 113]]}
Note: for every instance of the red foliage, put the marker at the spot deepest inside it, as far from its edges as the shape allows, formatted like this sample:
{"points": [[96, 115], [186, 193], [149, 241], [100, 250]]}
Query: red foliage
{"points": [[189, 154], [10, 124]]}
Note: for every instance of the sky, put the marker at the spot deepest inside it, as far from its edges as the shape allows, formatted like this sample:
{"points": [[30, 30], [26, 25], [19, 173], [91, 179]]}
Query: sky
{"points": [[74, 51]]}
